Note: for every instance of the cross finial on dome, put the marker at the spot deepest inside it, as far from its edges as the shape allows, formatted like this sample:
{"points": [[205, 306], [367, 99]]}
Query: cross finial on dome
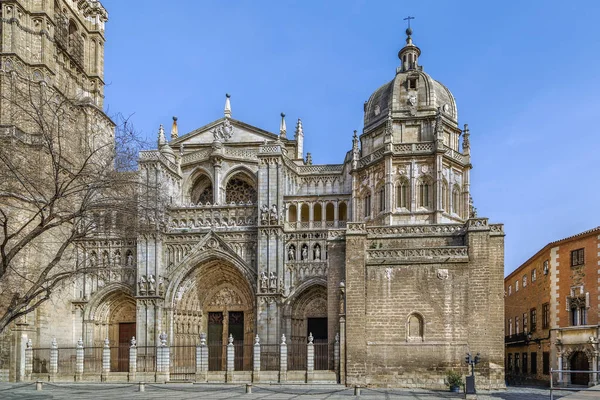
{"points": [[410, 53]]}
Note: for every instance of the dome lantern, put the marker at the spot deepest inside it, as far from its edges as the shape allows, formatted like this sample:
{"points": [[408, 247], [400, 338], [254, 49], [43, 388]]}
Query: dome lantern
{"points": [[409, 55]]}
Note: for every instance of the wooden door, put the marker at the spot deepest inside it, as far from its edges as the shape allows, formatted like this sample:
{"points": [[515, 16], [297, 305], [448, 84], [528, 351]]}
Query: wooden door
{"points": [[215, 341], [126, 332]]}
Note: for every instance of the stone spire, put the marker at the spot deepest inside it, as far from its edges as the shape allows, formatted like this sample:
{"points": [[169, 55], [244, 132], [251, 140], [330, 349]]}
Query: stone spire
{"points": [[227, 106], [282, 128], [466, 145], [308, 159], [299, 136], [409, 55], [174, 130], [355, 150], [161, 136]]}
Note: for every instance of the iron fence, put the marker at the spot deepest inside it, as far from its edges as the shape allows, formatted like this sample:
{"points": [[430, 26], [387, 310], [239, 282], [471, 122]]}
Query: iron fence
{"points": [[146, 359], [183, 363], [297, 356], [41, 361], [119, 358], [217, 356], [92, 359], [269, 357], [321, 355], [67, 358]]}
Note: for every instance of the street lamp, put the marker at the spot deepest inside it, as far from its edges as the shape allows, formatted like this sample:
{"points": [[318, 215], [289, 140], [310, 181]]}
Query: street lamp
{"points": [[472, 361]]}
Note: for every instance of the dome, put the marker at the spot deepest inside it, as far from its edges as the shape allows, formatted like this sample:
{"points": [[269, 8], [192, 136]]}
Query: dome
{"points": [[412, 93]]}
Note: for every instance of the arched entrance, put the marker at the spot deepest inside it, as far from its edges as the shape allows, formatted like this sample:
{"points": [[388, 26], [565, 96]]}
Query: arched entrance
{"points": [[215, 298], [111, 314], [309, 316], [579, 362]]}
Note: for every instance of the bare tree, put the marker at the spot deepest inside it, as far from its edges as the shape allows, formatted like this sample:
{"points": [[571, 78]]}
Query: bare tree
{"points": [[62, 161]]}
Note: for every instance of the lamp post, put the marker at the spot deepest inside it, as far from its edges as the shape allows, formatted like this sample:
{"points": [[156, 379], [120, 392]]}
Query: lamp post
{"points": [[472, 361]]}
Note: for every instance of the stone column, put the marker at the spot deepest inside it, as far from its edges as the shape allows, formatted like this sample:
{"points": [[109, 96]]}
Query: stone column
{"points": [[202, 359], [283, 356], [311, 214], [132, 359], [217, 182], [594, 378], [336, 355], [105, 359], [323, 214], [560, 367], [53, 359], [298, 214], [336, 214], [79, 360], [28, 359], [230, 359], [310, 359], [256, 360], [342, 378]]}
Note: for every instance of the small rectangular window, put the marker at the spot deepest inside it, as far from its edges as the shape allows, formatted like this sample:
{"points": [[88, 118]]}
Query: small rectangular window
{"points": [[524, 322], [517, 363], [545, 315], [546, 267], [546, 363], [577, 257], [517, 286], [533, 362], [524, 369], [412, 83], [524, 281], [533, 275], [533, 319], [509, 290]]}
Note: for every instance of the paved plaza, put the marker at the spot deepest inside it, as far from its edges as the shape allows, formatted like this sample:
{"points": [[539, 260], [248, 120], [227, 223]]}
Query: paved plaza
{"points": [[10, 391]]}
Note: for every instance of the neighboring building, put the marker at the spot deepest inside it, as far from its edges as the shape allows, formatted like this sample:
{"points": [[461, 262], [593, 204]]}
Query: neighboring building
{"points": [[551, 312], [246, 237]]}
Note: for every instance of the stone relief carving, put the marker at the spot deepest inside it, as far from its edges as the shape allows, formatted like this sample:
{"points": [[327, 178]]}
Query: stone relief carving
{"points": [[225, 297], [224, 131], [442, 274]]}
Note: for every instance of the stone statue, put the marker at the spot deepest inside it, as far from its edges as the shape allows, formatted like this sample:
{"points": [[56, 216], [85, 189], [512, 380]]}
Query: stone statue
{"points": [[151, 284], [291, 253], [274, 214], [304, 252], [317, 252], [272, 280], [142, 283], [161, 285], [264, 214], [263, 281], [130, 260]]}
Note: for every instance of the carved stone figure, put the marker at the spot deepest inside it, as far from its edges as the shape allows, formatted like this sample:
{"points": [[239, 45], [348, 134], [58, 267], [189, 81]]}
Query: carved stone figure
{"points": [[130, 260], [317, 254], [291, 253], [142, 285], [274, 214], [151, 284], [263, 281], [161, 285], [264, 214], [118, 258], [304, 255], [272, 280]]}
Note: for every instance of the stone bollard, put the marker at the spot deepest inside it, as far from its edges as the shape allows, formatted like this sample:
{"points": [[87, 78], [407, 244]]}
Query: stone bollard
{"points": [[283, 356], [28, 359], [79, 360], [142, 387], [230, 358], [53, 358], [38, 385], [105, 359], [202, 359], [357, 390], [256, 360], [248, 388], [132, 359], [310, 358]]}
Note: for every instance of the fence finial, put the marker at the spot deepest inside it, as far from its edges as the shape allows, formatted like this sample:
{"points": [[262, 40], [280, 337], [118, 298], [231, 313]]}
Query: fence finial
{"points": [[257, 339], [283, 338], [310, 338]]}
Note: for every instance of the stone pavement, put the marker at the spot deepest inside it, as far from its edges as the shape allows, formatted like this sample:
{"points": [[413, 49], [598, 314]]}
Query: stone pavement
{"points": [[10, 391]]}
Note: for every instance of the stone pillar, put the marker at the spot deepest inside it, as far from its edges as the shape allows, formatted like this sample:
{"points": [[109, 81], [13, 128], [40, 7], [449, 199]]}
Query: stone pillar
{"points": [[298, 215], [336, 214], [336, 355], [594, 378], [202, 359], [53, 359], [323, 215], [163, 359], [560, 367], [217, 182], [342, 378], [283, 356], [132, 359], [311, 215], [105, 359], [79, 360], [230, 358], [28, 359], [310, 359], [256, 360]]}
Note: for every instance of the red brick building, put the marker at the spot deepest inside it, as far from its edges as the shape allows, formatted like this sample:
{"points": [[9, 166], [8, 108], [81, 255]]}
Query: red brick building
{"points": [[551, 312]]}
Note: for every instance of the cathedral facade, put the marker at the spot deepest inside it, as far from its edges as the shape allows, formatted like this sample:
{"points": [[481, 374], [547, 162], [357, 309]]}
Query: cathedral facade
{"points": [[380, 260]]}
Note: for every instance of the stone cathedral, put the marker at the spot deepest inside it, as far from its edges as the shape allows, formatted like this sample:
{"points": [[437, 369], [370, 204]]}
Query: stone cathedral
{"points": [[382, 254]]}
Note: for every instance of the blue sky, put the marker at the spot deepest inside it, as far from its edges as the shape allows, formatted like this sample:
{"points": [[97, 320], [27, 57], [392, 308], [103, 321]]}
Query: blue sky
{"points": [[525, 75]]}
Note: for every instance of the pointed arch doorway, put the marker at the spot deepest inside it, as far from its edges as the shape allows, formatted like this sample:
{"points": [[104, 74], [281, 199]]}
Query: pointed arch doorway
{"points": [[217, 299]]}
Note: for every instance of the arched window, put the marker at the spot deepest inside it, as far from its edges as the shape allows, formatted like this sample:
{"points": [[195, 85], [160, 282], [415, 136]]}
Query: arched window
{"points": [[415, 327], [317, 214], [304, 213], [402, 194], [456, 199], [367, 205], [381, 198], [240, 189], [342, 211], [202, 191], [445, 196], [329, 212], [292, 213], [424, 193]]}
